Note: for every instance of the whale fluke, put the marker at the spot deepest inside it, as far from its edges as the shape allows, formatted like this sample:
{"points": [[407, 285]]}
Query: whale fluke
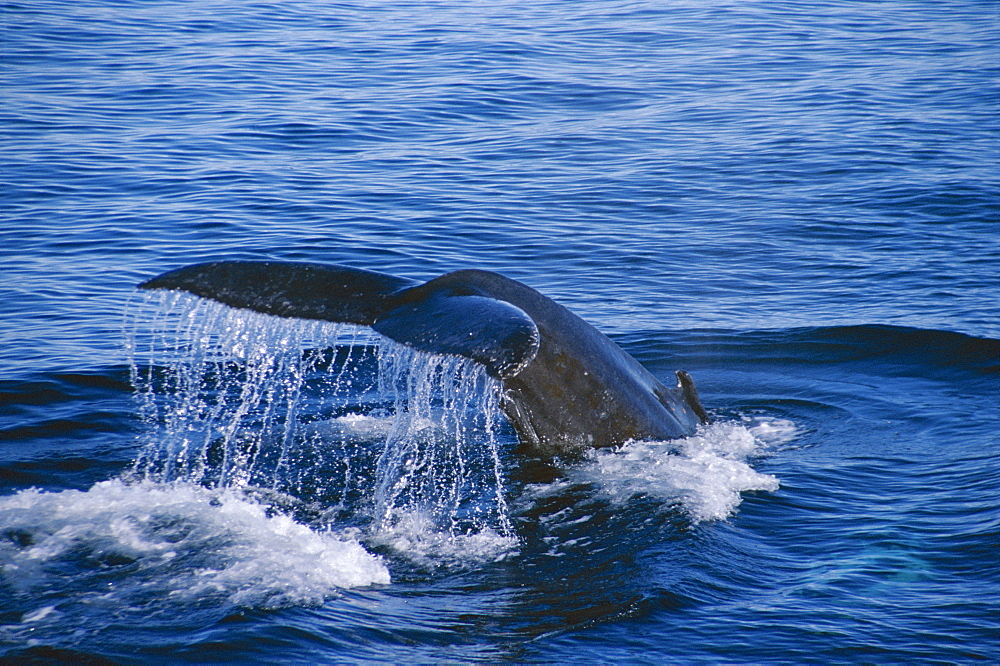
{"points": [[566, 386], [443, 320], [285, 289]]}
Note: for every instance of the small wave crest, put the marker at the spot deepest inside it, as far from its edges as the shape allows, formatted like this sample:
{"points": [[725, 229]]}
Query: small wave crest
{"points": [[138, 544], [704, 473]]}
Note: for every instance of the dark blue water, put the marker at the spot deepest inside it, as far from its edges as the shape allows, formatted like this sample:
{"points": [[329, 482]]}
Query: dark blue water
{"points": [[798, 203]]}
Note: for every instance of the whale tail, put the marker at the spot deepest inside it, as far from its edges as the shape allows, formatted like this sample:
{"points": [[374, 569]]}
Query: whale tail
{"points": [[444, 320]]}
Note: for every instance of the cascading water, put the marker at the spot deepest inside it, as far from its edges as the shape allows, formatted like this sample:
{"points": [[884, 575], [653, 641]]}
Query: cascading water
{"points": [[331, 416], [441, 448]]}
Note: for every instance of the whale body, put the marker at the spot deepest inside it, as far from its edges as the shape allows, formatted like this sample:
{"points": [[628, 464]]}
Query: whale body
{"points": [[566, 386]]}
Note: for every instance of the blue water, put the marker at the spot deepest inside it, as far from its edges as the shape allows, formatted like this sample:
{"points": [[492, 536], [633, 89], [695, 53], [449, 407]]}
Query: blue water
{"points": [[798, 203]]}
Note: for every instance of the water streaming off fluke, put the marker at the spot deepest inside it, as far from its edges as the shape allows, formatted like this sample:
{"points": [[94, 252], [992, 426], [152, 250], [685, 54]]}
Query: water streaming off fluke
{"points": [[339, 422]]}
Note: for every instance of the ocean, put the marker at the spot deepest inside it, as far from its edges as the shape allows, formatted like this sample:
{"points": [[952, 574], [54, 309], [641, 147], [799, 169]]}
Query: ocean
{"points": [[796, 202]]}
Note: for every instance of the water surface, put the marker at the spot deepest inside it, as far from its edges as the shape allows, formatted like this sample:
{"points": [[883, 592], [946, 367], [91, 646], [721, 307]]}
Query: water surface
{"points": [[795, 202]]}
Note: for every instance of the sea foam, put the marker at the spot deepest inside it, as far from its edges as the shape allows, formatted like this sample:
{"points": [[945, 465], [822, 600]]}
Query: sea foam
{"points": [[132, 544], [704, 474]]}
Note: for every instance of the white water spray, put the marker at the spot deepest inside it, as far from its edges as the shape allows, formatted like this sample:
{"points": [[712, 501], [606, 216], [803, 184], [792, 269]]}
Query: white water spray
{"points": [[236, 399]]}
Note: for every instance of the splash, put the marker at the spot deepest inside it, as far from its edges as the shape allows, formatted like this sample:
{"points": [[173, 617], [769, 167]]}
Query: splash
{"points": [[326, 412], [442, 446], [703, 474], [221, 389], [140, 544]]}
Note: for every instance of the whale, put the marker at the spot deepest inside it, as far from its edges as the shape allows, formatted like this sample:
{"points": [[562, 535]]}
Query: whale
{"points": [[565, 387]]}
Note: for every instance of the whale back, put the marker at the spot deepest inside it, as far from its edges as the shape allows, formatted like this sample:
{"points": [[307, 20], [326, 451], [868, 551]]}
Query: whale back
{"points": [[581, 390]]}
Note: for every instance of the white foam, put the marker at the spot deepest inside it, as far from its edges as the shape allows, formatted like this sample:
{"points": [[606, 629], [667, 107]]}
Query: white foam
{"points": [[176, 541], [772, 432], [417, 537], [705, 478]]}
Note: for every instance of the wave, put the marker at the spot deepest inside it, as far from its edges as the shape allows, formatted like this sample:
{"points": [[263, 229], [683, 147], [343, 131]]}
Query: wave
{"points": [[873, 348]]}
